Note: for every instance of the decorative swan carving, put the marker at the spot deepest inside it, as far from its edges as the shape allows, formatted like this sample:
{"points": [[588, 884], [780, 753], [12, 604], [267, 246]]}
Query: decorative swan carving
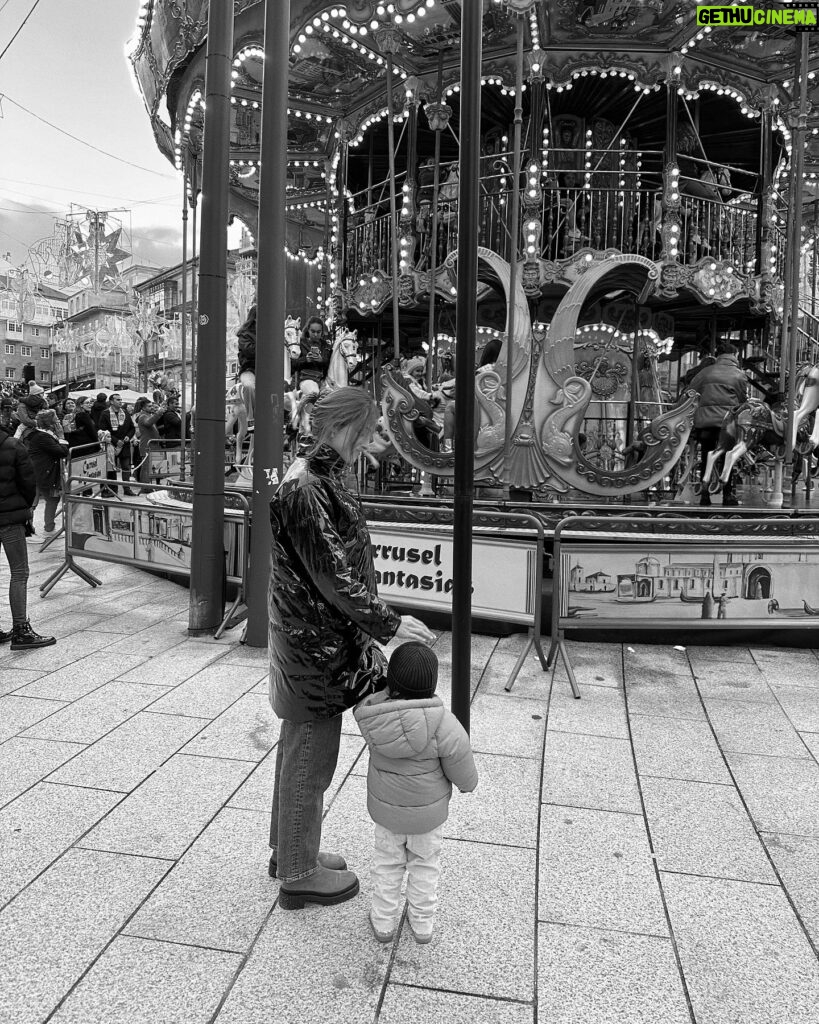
{"points": [[491, 435]]}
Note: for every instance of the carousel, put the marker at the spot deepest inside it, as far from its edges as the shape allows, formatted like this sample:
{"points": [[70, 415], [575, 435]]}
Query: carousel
{"points": [[647, 201]]}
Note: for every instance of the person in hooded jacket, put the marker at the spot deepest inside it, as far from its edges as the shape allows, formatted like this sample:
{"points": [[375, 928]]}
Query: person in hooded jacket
{"points": [[18, 489], [325, 618], [418, 749]]}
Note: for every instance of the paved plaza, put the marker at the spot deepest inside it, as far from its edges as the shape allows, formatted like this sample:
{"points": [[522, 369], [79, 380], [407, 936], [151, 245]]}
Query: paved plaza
{"points": [[649, 854]]}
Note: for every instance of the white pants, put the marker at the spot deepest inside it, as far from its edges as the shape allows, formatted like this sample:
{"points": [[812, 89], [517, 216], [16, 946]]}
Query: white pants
{"points": [[421, 856]]}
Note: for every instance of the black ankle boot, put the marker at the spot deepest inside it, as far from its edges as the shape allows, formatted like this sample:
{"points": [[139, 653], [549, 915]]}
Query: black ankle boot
{"points": [[23, 638]]}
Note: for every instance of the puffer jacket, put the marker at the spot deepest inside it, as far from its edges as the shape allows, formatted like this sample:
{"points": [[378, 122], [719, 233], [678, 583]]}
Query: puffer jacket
{"points": [[722, 386], [323, 604], [417, 750], [18, 487]]}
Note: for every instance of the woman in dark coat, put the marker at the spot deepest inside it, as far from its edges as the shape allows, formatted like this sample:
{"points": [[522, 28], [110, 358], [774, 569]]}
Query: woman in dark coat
{"points": [[46, 452], [325, 619], [77, 423], [18, 492]]}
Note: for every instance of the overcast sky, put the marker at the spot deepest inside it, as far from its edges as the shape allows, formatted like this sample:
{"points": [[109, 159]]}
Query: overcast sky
{"points": [[68, 65]]}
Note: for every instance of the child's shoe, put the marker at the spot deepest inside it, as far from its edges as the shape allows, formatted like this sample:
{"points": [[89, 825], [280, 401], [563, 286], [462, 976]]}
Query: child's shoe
{"points": [[421, 935], [380, 934]]}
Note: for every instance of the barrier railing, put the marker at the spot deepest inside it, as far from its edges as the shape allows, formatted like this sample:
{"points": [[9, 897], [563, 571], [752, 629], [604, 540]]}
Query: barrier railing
{"points": [[128, 531], [165, 460], [413, 563], [634, 574]]}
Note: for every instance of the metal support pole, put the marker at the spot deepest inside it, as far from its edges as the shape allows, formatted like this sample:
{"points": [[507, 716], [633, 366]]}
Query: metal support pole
{"points": [[394, 226], [270, 311], [795, 240], [433, 231], [183, 404], [194, 290], [207, 553], [514, 235], [466, 314]]}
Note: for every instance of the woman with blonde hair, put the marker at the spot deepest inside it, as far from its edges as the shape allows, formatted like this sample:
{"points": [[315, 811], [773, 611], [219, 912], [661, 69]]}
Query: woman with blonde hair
{"points": [[326, 623]]}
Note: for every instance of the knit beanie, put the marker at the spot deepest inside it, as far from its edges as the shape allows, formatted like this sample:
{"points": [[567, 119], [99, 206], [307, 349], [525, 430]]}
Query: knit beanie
{"points": [[35, 389], [413, 671]]}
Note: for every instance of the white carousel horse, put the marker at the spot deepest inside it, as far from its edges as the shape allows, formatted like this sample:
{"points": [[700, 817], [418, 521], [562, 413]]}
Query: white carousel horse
{"points": [[343, 360], [809, 402], [292, 345]]}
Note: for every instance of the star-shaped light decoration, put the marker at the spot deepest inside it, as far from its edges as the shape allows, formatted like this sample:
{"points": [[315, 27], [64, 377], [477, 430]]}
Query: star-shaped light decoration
{"points": [[100, 254]]}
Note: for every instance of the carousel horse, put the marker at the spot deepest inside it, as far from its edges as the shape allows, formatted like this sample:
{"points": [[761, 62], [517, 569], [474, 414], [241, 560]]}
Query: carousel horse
{"points": [[754, 428], [344, 359], [236, 416], [808, 395]]}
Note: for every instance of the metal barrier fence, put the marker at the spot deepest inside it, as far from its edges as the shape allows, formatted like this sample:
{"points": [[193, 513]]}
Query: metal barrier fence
{"points": [[130, 532]]}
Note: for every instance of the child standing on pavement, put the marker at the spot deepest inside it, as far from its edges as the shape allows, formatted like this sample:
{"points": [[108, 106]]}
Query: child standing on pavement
{"points": [[417, 750]]}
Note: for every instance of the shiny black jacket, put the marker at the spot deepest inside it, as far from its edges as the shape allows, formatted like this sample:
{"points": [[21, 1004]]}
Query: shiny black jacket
{"points": [[323, 602], [18, 487], [314, 361]]}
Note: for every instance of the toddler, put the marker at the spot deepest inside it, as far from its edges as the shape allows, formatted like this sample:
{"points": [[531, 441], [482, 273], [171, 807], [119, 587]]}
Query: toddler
{"points": [[417, 750], [107, 445]]}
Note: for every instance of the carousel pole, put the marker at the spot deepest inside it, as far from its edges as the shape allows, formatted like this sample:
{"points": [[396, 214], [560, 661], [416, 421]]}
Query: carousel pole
{"points": [[513, 262], [438, 115], [798, 127], [207, 549], [271, 310], [194, 266], [183, 404], [389, 41], [466, 323]]}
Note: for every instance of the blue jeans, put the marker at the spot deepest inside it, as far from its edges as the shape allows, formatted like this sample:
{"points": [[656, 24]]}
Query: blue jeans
{"points": [[13, 542], [51, 502], [306, 760]]}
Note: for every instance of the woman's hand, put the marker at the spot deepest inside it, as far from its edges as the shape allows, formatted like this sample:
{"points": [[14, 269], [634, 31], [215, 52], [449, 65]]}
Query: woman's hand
{"points": [[413, 629]]}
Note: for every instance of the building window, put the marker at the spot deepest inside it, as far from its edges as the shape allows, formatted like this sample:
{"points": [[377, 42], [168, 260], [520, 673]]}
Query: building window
{"points": [[35, 332], [10, 373], [9, 350], [43, 374], [25, 350], [45, 353], [15, 328]]}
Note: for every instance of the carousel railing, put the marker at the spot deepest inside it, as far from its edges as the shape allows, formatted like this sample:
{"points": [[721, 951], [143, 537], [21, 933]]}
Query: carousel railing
{"points": [[601, 214]]}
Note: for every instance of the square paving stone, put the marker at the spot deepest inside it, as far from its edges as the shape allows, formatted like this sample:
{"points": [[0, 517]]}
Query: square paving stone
{"points": [[499, 925], [73, 648], [734, 682], [704, 655], [92, 716], [138, 981], [600, 712], [590, 771], [645, 659], [482, 649], [245, 655], [596, 870], [15, 678], [81, 677], [789, 667], [593, 664], [219, 894], [24, 762], [506, 725], [54, 929], [19, 713], [167, 812], [797, 861], [246, 731], [40, 825], [782, 793], [801, 705], [406, 1005], [748, 728], [662, 695], [811, 740], [174, 666], [677, 748], [604, 977], [701, 829], [210, 691], [147, 643], [128, 755], [487, 815], [744, 955]]}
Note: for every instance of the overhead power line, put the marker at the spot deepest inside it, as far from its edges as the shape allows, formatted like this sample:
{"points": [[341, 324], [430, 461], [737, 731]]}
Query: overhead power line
{"points": [[62, 131], [20, 29]]}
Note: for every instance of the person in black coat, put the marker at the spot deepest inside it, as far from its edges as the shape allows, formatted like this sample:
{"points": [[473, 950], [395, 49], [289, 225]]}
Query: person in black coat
{"points": [[314, 361], [117, 420], [98, 407], [77, 423], [18, 491], [47, 451], [326, 621]]}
